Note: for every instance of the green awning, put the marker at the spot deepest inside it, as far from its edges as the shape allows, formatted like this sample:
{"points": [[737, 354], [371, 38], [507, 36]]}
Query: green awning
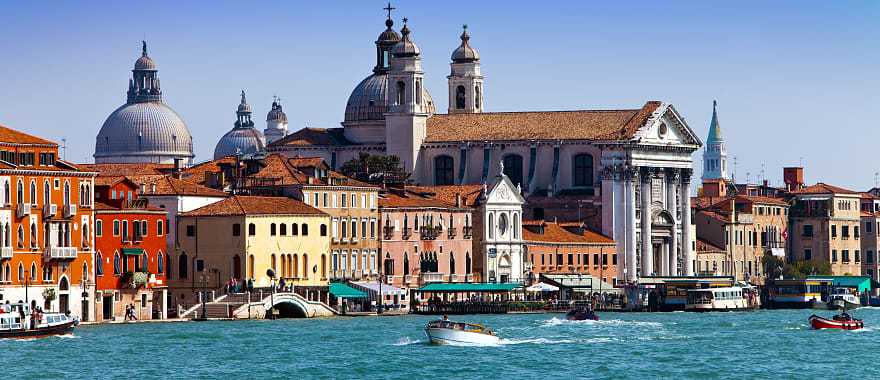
{"points": [[340, 290], [133, 251], [469, 287]]}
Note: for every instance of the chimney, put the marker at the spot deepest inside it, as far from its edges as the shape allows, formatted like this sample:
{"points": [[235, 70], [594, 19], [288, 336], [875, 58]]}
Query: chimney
{"points": [[793, 177], [153, 188], [176, 172], [457, 199]]}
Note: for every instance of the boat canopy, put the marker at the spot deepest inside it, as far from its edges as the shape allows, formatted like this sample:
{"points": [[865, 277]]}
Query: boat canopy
{"points": [[465, 287], [542, 287], [375, 287], [341, 290]]}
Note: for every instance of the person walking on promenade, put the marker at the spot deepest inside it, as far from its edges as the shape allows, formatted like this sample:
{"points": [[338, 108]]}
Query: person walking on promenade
{"points": [[250, 285]]}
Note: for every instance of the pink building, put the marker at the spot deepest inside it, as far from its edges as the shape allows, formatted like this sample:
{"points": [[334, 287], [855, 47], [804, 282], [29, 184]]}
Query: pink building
{"points": [[424, 240]]}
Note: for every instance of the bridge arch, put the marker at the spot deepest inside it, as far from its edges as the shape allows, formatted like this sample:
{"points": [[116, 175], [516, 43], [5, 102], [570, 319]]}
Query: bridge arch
{"points": [[289, 305]]}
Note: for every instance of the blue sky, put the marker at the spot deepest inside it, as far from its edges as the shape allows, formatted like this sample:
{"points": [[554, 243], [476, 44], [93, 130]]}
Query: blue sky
{"points": [[795, 80]]}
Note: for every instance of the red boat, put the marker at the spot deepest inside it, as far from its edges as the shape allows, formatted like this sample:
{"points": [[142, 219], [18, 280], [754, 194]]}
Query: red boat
{"points": [[841, 321]]}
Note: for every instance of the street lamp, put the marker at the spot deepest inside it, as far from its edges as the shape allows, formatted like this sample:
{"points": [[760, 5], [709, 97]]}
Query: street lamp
{"points": [[204, 281], [27, 282], [271, 274]]}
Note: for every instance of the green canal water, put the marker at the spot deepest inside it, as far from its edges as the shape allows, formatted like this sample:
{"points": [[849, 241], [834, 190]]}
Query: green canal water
{"points": [[762, 344]]}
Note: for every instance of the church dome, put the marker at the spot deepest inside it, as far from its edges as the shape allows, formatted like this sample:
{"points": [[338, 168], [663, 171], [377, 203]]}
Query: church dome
{"points": [[276, 113], [464, 52], [406, 47], [368, 100], [243, 138], [143, 129], [389, 35], [240, 141]]}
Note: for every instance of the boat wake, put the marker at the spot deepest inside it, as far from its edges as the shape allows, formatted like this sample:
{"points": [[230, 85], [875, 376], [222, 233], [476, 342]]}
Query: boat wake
{"points": [[407, 341], [68, 336], [610, 322]]}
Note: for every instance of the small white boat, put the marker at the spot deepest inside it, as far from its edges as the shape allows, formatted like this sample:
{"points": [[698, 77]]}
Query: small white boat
{"points": [[843, 298], [449, 332], [17, 321]]}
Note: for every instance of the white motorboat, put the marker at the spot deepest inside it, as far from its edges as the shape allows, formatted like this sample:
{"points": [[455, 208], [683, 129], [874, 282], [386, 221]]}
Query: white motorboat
{"points": [[730, 298], [19, 321], [843, 298], [449, 332]]}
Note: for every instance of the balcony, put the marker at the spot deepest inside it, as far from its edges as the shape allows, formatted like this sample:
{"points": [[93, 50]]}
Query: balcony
{"points": [[469, 278], [60, 253], [454, 278], [451, 232], [49, 210], [429, 232], [427, 277], [389, 279], [745, 218], [407, 279], [69, 210], [22, 209], [5, 252], [406, 233], [467, 232], [388, 232]]}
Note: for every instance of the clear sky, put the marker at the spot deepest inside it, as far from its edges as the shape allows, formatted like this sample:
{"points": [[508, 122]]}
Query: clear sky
{"points": [[794, 80]]}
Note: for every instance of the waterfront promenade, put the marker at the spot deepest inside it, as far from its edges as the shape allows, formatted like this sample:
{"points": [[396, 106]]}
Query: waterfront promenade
{"points": [[622, 345]]}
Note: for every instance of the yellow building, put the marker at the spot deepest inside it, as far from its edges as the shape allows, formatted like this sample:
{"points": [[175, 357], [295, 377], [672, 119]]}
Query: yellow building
{"points": [[825, 223], [243, 236]]}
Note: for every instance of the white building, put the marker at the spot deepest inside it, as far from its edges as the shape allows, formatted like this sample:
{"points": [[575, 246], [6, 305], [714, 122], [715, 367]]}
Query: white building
{"points": [[604, 158], [715, 153]]}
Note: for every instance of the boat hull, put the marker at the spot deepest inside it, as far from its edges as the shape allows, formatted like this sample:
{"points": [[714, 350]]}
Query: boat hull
{"points": [[842, 304], [452, 336], [41, 332], [819, 323]]}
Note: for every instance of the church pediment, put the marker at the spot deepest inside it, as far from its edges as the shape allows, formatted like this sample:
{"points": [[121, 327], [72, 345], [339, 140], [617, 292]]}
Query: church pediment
{"points": [[503, 191], [666, 127]]}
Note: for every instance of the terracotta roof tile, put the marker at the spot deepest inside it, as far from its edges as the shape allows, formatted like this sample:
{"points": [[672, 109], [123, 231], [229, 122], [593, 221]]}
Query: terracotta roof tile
{"points": [[12, 136], [314, 136], [823, 188], [762, 200], [550, 125], [251, 205], [397, 198], [307, 162], [554, 233], [277, 166], [101, 206], [168, 185], [716, 215], [470, 194], [127, 169], [198, 172]]}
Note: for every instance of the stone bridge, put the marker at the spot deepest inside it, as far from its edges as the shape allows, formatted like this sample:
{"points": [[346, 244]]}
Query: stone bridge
{"points": [[289, 305]]}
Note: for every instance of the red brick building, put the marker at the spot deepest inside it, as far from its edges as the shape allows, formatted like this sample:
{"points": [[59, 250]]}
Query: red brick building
{"points": [[130, 252], [569, 248]]}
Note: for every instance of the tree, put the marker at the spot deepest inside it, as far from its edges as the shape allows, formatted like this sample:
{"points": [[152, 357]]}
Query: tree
{"points": [[376, 169], [773, 266], [804, 268]]}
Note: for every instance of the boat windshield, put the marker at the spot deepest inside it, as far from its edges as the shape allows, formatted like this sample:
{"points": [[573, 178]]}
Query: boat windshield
{"points": [[700, 297]]}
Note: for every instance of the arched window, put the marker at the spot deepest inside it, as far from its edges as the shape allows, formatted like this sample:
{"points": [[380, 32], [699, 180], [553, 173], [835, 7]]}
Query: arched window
{"points": [[168, 266], [272, 229], [282, 229], [33, 192], [145, 263], [34, 239], [305, 229], [444, 173], [272, 263], [160, 263], [252, 229], [294, 229], [20, 272], [182, 266], [459, 97], [516, 229], [99, 264], [283, 265], [33, 271], [85, 273], [467, 263], [250, 268], [7, 273], [451, 263], [513, 168], [388, 265], [19, 192], [418, 92], [305, 266], [295, 265], [6, 192], [323, 230], [85, 235], [491, 226], [477, 98], [20, 236], [47, 193], [583, 170], [66, 192], [401, 92], [323, 266], [405, 263], [117, 265]]}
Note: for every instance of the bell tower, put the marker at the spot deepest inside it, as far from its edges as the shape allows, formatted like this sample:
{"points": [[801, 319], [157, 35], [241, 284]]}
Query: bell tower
{"points": [[715, 154], [465, 79], [408, 104]]}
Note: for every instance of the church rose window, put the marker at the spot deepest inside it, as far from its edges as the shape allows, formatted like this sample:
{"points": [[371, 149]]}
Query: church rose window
{"points": [[443, 170], [583, 170]]}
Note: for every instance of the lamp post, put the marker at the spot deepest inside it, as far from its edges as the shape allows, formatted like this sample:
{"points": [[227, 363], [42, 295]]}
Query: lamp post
{"points": [[204, 281], [381, 300], [27, 282], [271, 274]]}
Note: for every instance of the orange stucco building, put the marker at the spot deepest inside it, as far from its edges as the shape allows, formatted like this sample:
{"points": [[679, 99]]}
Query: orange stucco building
{"points": [[46, 224]]}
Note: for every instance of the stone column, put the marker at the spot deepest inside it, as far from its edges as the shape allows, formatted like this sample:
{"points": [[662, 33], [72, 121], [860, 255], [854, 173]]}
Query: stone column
{"points": [[687, 252], [664, 260], [164, 303], [630, 176], [671, 206], [647, 258]]}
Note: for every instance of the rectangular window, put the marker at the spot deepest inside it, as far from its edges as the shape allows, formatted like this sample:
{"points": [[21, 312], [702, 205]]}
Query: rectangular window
{"points": [[808, 230], [333, 197], [845, 255], [858, 256], [364, 200], [595, 259], [856, 233], [200, 265], [613, 259], [160, 228], [125, 235], [115, 228], [335, 229], [844, 232], [364, 228], [372, 200], [833, 255], [99, 228], [236, 229], [190, 230], [326, 203], [344, 229], [869, 227], [315, 200], [354, 228], [344, 261], [570, 259], [808, 254], [306, 198], [344, 200], [113, 194], [354, 200], [373, 229]]}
